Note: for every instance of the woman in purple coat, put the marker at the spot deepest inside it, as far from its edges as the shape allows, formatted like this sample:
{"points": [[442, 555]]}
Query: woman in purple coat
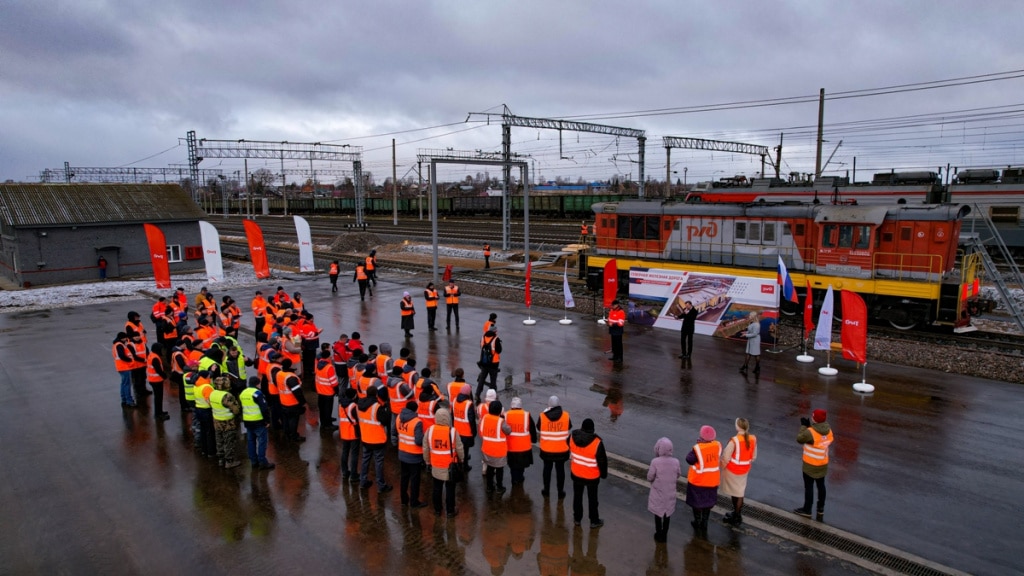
{"points": [[663, 474]]}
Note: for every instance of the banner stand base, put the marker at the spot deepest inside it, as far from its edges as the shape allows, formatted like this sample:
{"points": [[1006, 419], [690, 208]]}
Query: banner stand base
{"points": [[828, 371], [805, 358], [863, 388], [529, 321], [565, 321], [602, 321]]}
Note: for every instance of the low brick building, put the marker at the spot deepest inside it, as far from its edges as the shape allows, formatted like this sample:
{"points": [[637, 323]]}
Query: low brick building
{"points": [[56, 233]]}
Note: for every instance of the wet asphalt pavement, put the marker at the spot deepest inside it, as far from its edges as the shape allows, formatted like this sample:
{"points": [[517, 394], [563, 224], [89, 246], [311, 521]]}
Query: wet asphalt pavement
{"points": [[927, 465]]}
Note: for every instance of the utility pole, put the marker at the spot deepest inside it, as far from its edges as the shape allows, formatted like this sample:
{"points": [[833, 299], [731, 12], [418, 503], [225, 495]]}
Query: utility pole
{"points": [[821, 122], [394, 185]]}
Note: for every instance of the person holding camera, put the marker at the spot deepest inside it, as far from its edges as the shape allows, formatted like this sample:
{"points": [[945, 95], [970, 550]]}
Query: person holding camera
{"points": [[816, 436]]}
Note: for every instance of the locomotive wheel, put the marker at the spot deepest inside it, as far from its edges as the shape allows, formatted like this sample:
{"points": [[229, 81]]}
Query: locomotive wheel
{"points": [[907, 325]]}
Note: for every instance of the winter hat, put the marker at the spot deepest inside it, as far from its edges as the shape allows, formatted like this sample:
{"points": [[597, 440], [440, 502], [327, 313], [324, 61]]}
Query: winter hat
{"points": [[517, 402], [412, 405], [493, 316], [491, 395], [588, 425], [405, 294], [819, 416], [465, 390], [707, 433], [553, 401], [494, 408]]}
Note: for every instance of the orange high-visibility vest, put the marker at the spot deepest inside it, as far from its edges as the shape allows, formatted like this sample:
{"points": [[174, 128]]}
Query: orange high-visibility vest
{"points": [[460, 413], [396, 400], [371, 431], [333, 270], [425, 411], [451, 294], [408, 309], [553, 433], [121, 365], [617, 317], [287, 395], [361, 273], [705, 472], [519, 438], [178, 362], [431, 298], [326, 380], [259, 306], [348, 420], [583, 460], [739, 463], [407, 436], [494, 443], [151, 374], [487, 249], [442, 446], [453, 391], [140, 352], [369, 263], [137, 327], [382, 365], [495, 357], [365, 383], [817, 454]]}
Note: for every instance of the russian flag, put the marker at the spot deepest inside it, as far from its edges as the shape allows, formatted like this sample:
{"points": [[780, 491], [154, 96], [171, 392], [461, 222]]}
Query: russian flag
{"points": [[788, 291]]}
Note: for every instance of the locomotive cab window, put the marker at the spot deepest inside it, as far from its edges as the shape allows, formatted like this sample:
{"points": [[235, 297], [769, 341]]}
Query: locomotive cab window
{"points": [[638, 228], [741, 231], [829, 236], [862, 237]]}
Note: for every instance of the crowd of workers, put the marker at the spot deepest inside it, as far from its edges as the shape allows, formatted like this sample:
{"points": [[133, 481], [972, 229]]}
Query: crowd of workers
{"points": [[373, 399]]}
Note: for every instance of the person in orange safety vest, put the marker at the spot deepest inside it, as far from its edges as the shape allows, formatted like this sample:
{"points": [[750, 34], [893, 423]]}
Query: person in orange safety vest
{"points": [[588, 465], [739, 454], [494, 431], [410, 455], [553, 427], [332, 273], [703, 477], [520, 440], [816, 436], [326, 379], [616, 327]]}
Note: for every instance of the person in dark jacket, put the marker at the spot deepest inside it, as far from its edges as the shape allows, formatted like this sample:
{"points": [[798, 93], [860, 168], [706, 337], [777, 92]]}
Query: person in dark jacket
{"points": [[410, 456], [349, 419], [520, 460], [256, 416], [373, 450], [292, 414], [816, 437], [689, 317], [490, 357], [547, 421], [587, 471], [702, 478], [464, 407]]}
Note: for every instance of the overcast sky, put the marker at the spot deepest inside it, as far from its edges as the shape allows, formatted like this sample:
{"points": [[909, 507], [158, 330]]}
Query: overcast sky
{"points": [[118, 83]]}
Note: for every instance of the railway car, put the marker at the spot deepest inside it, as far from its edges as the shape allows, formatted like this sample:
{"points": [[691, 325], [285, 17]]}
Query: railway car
{"points": [[902, 259], [885, 188], [996, 196]]}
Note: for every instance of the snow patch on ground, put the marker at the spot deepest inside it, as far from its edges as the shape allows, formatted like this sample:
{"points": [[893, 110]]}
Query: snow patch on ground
{"points": [[452, 252], [236, 275]]}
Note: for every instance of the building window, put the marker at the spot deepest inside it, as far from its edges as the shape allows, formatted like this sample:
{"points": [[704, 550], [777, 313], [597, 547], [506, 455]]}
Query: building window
{"points": [[174, 253]]}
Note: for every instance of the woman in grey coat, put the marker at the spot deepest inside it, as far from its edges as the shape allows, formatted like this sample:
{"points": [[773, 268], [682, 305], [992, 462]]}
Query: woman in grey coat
{"points": [[663, 474], [753, 336]]}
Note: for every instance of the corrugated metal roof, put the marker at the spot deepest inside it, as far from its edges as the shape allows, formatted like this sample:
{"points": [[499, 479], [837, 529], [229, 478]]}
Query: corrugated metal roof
{"points": [[73, 204]]}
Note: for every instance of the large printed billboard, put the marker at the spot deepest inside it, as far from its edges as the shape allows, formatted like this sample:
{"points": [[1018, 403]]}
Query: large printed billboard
{"points": [[723, 303]]}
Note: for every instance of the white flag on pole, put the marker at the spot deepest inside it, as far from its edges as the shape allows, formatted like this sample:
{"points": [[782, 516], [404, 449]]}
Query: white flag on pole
{"points": [[305, 245], [823, 335], [211, 252], [569, 302]]}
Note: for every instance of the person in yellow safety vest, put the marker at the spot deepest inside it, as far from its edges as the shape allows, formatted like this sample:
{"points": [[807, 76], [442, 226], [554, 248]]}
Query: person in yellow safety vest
{"points": [[234, 365], [123, 359], [205, 441], [348, 433], [332, 273], [739, 454], [156, 374], [225, 407], [494, 431], [451, 300], [816, 436], [487, 255], [703, 477], [464, 414], [408, 310], [588, 465], [374, 418], [326, 389], [440, 450], [520, 440], [410, 455], [293, 401], [553, 428], [431, 298], [256, 416], [363, 279]]}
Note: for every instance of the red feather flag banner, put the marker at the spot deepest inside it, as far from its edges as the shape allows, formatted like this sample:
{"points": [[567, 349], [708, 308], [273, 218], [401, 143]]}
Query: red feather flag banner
{"points": [[257, 248], [854, 333], [808, 312], [447, 273], [526, 296], [611, 282], [158, 255]]}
